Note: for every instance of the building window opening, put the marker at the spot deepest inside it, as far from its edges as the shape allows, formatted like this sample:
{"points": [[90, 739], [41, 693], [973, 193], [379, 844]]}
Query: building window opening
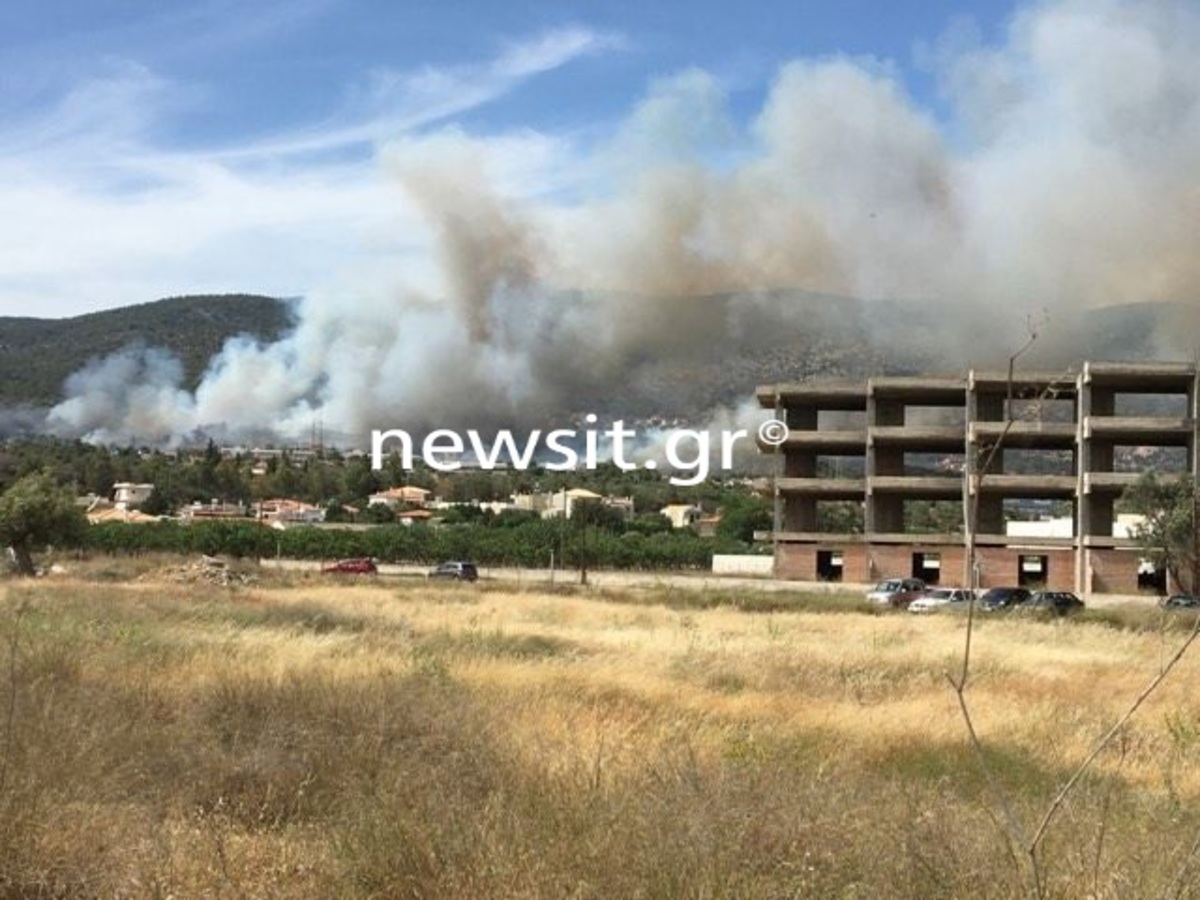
{"points": [[1151, 578], [1033, 571], [927, 567], [830, 565]]}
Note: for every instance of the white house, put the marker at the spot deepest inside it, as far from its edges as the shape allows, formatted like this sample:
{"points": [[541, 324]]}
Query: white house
{"points": [[127, 495], [287, 511], [682, 515]]}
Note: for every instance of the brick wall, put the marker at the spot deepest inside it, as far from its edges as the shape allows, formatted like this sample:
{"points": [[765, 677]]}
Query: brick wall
{"points": [[1113, 571]]}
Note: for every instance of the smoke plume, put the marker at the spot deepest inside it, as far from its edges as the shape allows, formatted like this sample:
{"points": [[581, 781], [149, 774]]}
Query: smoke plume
{"points": [[1058, 175]]}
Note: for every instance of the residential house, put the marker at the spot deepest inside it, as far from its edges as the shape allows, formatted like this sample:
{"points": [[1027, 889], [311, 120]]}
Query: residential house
{"points": [[289, 512], [682, 515], [214, 509], [127, 495], [408, 495]]}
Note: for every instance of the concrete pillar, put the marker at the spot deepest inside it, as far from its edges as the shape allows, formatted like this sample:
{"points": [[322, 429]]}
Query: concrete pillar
{"points": [[885, 514]]}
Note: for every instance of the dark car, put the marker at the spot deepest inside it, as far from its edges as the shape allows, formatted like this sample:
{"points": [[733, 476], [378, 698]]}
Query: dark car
{"points": [[459, 571], [1059, 602], [1003, 598], [903, 599], [1180, 601], [362, 565], [897, 592]]}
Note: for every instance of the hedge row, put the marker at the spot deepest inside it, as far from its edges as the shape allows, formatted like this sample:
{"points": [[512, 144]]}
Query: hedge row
{"points": [[530, 544]]}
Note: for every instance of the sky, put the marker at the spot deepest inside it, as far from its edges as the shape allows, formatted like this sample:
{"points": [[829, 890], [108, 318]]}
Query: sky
{"points": [[156, 149], [502, 213]]}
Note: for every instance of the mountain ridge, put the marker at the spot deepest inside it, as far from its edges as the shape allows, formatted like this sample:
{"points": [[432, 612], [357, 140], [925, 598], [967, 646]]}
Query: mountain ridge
{"points": [[38, 355], [819, 336]]}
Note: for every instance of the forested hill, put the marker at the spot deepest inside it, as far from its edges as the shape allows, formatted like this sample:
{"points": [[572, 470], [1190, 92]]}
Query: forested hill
{"points": [[37, 355], [819, 337]]}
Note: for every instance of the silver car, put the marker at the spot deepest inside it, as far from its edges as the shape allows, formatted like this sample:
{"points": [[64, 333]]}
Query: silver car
{"points": [[937, 598]]}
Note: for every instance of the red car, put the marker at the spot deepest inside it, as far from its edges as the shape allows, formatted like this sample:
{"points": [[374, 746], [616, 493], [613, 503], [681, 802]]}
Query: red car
{"points": [[359, 566]]}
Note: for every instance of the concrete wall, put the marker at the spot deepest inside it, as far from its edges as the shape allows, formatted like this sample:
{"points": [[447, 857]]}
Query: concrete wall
{"points": [[742, 564]]}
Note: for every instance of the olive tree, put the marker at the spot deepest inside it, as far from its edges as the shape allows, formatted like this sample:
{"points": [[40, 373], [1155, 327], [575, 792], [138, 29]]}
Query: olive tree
{"points": [[35, 512]]}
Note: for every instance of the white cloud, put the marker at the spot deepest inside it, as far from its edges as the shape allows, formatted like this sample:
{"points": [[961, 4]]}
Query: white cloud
{"points": [[98, 212]]}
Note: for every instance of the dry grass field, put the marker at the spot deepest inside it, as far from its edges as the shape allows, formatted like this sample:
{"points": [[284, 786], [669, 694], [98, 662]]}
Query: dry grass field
{"points": [[310, 737]]}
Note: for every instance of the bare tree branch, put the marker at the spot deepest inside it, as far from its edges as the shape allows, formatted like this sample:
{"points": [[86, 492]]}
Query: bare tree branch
{"points": [[1082, 768]]}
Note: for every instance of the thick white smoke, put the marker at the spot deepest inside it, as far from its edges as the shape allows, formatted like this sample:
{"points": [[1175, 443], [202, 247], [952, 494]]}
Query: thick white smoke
{"points": [[1063, 174]]}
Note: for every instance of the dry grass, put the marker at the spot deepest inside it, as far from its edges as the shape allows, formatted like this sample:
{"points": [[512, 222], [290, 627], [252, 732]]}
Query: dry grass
{"points": [[311, 738]]}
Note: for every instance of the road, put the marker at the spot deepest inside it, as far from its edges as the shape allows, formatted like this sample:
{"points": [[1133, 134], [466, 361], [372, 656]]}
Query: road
{"points": [[676, 580]]}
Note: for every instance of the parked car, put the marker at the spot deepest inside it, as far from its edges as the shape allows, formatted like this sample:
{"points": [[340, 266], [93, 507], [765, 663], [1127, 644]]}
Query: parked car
{"points": [[358, 566], [897, 591], [937, 598], [1003, 598], [458, 570], [1180, 601], [1060, 602]]}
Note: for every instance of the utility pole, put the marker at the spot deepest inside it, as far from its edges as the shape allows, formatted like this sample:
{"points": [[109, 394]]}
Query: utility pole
{"points": [[1195, 467]]}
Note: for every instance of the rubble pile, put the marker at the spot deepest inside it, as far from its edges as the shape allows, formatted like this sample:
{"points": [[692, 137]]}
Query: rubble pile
{"points": [[210, 571]]}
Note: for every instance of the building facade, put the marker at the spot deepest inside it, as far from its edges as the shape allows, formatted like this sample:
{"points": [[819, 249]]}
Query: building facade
{"points": [[991, 446]]}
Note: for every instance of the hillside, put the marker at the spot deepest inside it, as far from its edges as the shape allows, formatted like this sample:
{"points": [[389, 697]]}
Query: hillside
{"points": [[730, 345], [37, 355]]}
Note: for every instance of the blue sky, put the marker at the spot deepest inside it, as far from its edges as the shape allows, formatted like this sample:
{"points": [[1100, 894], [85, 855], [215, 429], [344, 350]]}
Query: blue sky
{"points": [[153, 149], [540, 191]]}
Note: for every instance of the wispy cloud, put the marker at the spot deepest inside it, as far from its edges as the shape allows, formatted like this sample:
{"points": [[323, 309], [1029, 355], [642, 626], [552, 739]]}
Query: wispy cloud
{"points": [[102, 207], [398, 101]]}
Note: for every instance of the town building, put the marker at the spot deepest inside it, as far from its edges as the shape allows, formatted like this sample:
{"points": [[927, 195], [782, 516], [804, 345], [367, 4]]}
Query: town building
{"points": [[991, 443], [562, 503], [682, 515], [396, 497], [288, 511], [128, 495]]}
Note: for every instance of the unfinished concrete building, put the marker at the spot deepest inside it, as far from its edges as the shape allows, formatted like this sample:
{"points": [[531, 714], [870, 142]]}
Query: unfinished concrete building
{"points": [[1070, 440]]}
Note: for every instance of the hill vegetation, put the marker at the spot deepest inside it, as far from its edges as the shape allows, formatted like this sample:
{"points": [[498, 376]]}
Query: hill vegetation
{"points": [[822, 337], [37, 355]]}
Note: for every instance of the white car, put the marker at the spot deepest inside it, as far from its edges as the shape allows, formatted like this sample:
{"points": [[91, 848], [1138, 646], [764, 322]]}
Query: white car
{"points": [[936, 598]]}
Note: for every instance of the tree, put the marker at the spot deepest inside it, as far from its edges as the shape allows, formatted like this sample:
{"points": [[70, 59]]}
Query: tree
{"points": [[35, 512], [156, 504], [742, 515], [1166, 532]]}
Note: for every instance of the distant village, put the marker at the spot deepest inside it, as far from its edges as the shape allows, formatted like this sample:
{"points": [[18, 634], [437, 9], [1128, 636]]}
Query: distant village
{"points": [[407, 505], [284, 487]]}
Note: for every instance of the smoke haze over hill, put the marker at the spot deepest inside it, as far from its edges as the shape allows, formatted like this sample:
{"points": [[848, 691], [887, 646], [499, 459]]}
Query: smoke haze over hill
{"points": [[1061, 177]]}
